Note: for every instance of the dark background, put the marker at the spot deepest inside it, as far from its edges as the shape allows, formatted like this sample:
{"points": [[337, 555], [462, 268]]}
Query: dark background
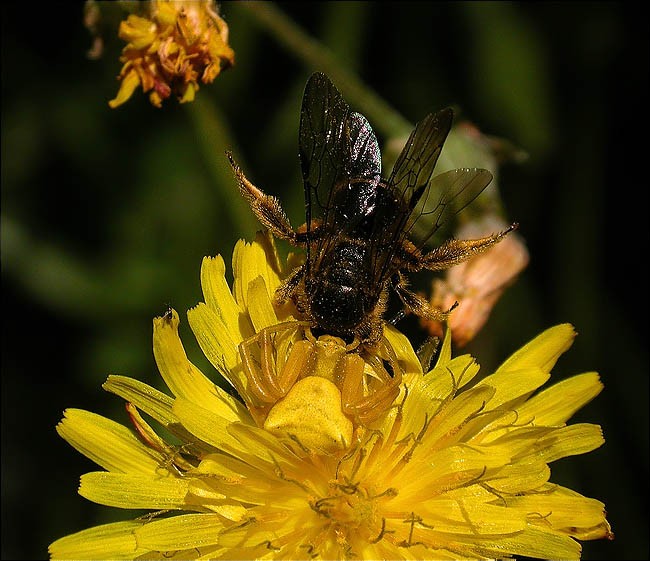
{"points": [[106, 214]]}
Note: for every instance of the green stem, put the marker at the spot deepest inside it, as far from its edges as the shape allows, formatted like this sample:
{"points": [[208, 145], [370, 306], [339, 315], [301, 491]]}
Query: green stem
{"points": [[385, 120]]}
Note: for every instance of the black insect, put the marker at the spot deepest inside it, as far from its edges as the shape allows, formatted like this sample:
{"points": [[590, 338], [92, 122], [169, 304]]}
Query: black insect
{"points": [[169, 313], [357, 224]]}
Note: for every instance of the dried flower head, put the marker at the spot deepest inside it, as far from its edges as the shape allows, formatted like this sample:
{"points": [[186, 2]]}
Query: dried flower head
{"points": [[177, 44]]}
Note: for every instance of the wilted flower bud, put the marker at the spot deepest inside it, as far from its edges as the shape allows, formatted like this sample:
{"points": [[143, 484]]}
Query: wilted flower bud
{"points": [[477, 284]]}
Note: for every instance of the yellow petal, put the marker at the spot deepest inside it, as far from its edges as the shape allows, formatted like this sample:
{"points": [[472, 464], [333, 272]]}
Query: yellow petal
{"points": [[520, 476], [432, 473], [128, 85], [207, 493], [203, 423], [183, 378], [402, 346], [562, 509], [555, 405], [224, 467], [514, 384], [259, 448], [139, 32], [428, 393], [144, 397], [445, 350], [442, 382], [543, 351], [180, 532], [250, 261], [189, 93], [152, 402], [468, 516], [109, 541], [154, 97], [519, 440], [253, 537], [245, 490], [165, 13], [538, 544], [447, 426], [107, 443], [464, 368], [258, 458], [217, 342], [602, 530], [134, 491], [260, 308], [569, 441], [217, 295], [271, 260]]}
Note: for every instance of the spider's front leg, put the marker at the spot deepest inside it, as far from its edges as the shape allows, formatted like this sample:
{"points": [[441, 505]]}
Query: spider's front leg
{"points": [[271, 365], [368, 389]]}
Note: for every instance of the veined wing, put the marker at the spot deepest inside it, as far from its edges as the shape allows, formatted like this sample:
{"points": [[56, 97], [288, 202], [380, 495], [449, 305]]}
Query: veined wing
{"points": [[414, 193], [406, 187], [336, 147], [449, 193]]}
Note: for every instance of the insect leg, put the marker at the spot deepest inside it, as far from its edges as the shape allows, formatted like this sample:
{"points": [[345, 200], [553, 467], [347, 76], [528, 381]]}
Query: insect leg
{"points": [[288, 287], [426, 352], [453, 251], [416, 304], [266, 208], [371, 327]]}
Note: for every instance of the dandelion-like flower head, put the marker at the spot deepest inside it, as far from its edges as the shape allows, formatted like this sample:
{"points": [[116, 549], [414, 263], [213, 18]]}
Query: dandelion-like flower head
{"points": [[328, 453]]}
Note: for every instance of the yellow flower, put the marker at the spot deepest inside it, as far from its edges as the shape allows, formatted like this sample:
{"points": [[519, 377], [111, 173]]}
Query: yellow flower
{"points": [[178, 44], [322, 458]]}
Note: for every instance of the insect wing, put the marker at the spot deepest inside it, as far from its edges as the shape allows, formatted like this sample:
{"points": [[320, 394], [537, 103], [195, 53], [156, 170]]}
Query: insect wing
{"points": [[414, 167], [449, 193], [364, 155], [407, 187], [323, 119], [336, 147]]}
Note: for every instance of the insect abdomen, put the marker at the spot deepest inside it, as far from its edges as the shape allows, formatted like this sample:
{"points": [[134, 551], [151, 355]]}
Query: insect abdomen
{"points": [[338, 302]]}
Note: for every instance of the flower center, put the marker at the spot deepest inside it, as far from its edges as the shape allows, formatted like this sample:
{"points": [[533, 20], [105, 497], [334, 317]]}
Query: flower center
{"points": [[354, 512]]}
